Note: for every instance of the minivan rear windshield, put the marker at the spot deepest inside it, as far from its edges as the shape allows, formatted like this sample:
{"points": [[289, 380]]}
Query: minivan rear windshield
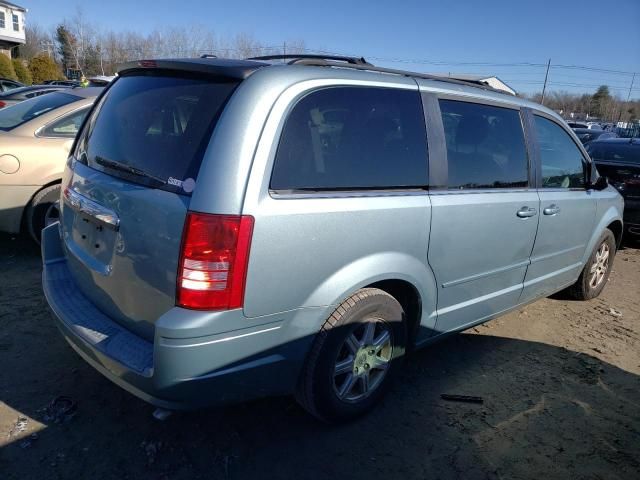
{"points": [[20, 113], [152, 128]]}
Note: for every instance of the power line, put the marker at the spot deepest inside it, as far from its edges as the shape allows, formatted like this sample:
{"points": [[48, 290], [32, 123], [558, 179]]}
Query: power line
{"points": [[483, 64]]}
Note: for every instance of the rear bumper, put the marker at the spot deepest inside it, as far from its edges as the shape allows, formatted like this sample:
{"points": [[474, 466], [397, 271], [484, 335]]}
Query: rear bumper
{"points": [[13, 200], [174, 371]]}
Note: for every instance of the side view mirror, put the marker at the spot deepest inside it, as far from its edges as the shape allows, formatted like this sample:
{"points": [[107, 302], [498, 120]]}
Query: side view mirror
{"points": [[601, 183]]}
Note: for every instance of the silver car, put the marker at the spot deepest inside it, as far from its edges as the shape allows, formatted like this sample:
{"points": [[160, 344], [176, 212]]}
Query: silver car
{"points": [[233, 229]]}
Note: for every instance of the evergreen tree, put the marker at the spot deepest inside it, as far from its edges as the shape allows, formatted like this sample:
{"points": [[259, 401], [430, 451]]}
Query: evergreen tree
{"points": [[6, 68], [44, 68], [22, 72], [599, 101], [66, 45]]}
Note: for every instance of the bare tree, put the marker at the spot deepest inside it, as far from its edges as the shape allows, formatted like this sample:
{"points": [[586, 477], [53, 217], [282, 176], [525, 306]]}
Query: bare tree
{"points": [[38, 40]]}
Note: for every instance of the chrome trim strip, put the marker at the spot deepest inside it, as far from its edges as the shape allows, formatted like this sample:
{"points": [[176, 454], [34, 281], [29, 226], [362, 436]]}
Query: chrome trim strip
{"points": [[92, 209], [477, 276], [547, 256]]}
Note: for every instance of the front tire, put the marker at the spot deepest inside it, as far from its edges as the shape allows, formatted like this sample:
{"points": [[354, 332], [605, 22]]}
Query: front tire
{"points": [[596, 272], [355, 357], [43, 211]]}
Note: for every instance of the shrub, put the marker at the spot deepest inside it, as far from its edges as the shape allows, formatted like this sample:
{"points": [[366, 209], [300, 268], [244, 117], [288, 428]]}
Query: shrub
{"points": [[44, 68], [22, 72], [6, 68]]}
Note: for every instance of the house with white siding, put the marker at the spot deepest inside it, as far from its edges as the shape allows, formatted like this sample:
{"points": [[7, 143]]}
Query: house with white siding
{"points": [[12, 18]]}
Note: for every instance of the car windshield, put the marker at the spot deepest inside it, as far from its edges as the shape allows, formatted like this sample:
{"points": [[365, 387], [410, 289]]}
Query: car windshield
{"points": [[16, 115], [615, 152]]}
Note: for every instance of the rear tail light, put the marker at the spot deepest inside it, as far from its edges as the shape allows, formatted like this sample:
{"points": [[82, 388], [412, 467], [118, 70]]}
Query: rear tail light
{"points": [[213, 261], [2, 104]]}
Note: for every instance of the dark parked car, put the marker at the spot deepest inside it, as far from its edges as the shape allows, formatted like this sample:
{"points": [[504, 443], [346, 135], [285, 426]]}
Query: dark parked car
{"points": [[7, 84], [18, 95], [619, 160], [587, 135]]}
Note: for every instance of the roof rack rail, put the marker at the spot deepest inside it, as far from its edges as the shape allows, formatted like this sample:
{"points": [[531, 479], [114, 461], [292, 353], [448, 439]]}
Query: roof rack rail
{"points": [[362, 64], [308, 58]]}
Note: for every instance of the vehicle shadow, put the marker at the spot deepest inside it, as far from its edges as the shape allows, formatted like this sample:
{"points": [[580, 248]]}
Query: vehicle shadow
{"points": [[547, 412]]}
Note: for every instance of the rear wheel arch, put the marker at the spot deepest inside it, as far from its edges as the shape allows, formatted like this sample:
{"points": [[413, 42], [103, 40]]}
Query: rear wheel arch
{"points": [[28, 212], [57, 181], [409, 297]]}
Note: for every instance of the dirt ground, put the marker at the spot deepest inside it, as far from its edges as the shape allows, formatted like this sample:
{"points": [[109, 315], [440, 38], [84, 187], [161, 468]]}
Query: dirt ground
{"points": [[560, 382]]}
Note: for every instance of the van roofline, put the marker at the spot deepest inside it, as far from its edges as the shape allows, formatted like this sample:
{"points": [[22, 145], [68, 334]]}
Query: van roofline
{"points": [[310, 66], [241, 69]]}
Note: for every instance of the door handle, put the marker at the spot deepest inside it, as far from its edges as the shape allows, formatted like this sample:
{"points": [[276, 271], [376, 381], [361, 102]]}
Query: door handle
{"points": [[526, 212], [551, 210]]}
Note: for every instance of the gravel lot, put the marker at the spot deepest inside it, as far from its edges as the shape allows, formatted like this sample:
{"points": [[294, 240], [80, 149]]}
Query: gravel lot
{"points": [[560, 380]]}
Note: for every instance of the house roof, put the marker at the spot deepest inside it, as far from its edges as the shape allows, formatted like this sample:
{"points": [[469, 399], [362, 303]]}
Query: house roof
{"points": [[12, 5]]}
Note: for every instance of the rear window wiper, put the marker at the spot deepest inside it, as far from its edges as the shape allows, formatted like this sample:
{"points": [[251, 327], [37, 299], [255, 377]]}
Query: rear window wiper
{"points": [[122, 167]]}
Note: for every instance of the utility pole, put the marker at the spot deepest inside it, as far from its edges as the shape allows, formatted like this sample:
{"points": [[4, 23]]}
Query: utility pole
{"points": [[633, 78], [546, 76]]}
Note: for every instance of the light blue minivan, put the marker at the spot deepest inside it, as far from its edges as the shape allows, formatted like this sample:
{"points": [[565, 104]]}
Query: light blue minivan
{"points": [[234, 229]]}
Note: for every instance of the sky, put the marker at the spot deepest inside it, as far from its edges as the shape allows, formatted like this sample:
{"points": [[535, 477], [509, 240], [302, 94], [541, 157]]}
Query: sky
{"points": [[424, 35]]}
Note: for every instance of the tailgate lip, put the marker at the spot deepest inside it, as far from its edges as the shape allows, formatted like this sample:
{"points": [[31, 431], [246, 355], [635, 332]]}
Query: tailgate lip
{"points": [[103, 215]]}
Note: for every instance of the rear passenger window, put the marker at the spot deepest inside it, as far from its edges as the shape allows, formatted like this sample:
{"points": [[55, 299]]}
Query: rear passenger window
{"points": [[353, 138], [485, 146], [562, 161], [66, 127]]}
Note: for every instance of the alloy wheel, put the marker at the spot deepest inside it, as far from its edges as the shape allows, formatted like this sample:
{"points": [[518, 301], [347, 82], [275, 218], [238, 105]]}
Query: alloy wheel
{"points": [[600, 266], [363, 361]]}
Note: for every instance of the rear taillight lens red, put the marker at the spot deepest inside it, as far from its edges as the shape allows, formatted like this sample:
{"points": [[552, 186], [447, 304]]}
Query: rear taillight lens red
{"points": [[213, 261], [2, 104]]}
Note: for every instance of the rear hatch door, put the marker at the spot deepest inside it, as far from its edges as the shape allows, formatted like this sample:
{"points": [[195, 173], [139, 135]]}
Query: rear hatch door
{"points": [[127, 193]]}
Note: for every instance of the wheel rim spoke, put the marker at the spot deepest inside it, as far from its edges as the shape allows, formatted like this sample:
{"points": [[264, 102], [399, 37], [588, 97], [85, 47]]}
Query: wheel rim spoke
{"points": [[344, 366], [382, 340], [352, 343], [347, 386], [364, 380], [369, 332]]}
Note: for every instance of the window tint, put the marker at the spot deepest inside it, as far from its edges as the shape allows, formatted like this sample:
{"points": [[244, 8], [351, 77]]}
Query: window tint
{"points": [[67, 126], [485, 146], [156, 123], [562, 162], [353, 138], [30, 109]]}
